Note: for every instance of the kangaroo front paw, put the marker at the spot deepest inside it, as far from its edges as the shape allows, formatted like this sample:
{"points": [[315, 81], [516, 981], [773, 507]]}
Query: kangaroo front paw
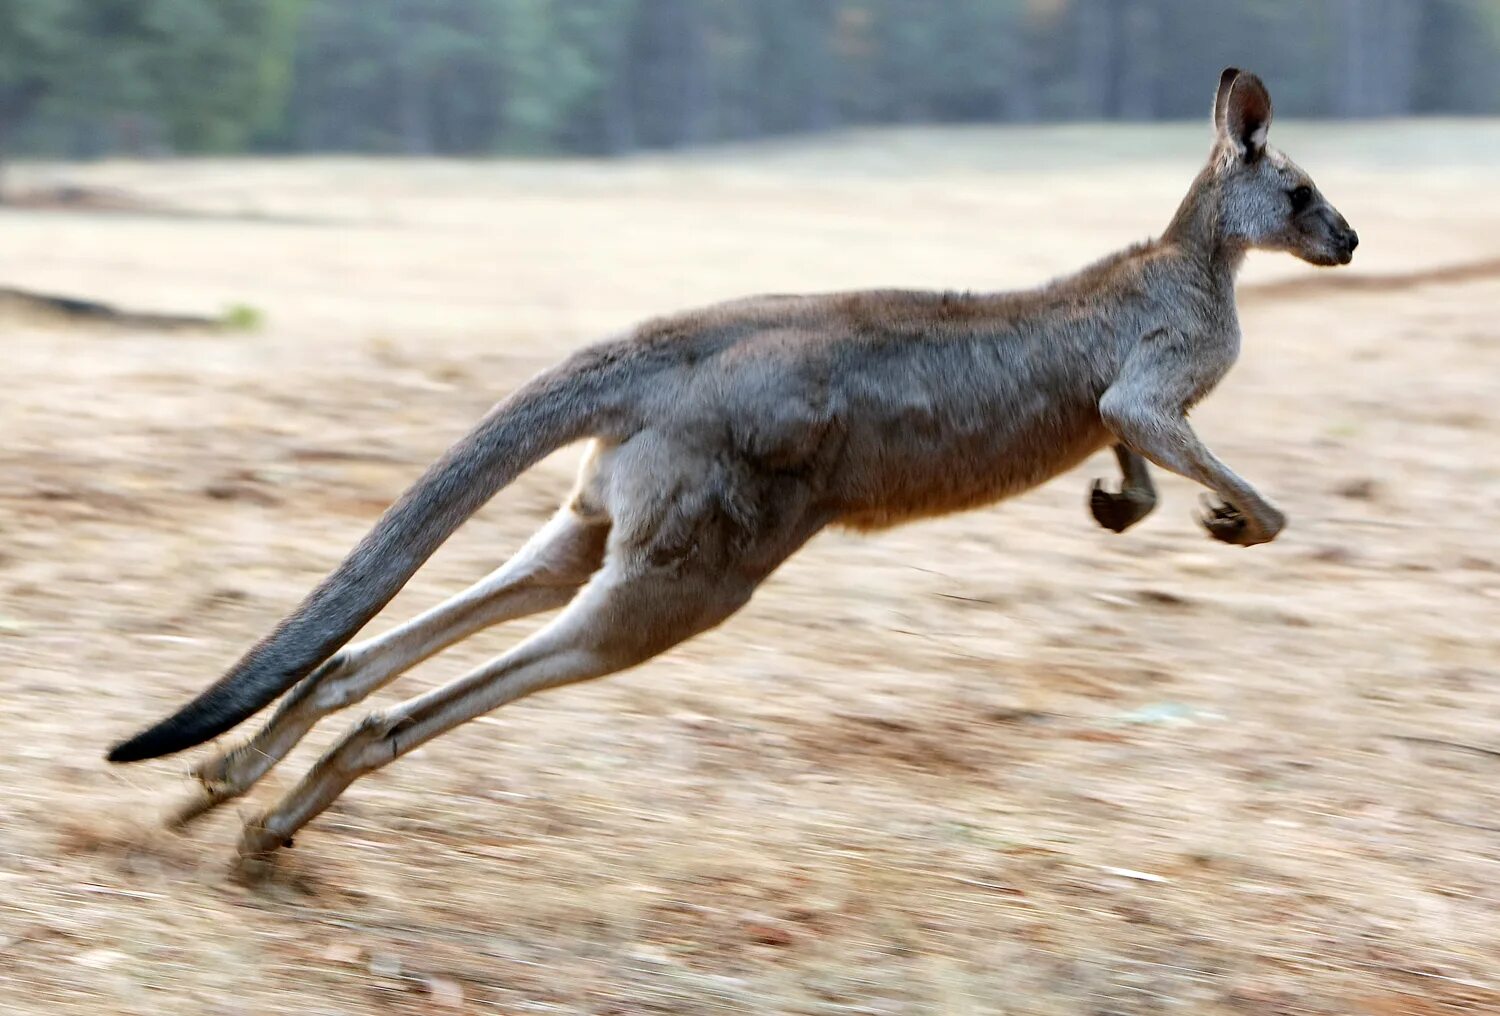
{"points": [[1227, 524], [1118, 511]]}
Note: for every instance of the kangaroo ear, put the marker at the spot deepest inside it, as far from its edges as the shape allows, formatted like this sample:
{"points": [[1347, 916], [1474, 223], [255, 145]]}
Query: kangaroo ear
{"points": [[1247, 115], [1221, 97]]}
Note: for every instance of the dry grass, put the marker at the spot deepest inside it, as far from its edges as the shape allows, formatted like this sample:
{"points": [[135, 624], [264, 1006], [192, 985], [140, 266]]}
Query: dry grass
{"points": [[1000, 763]]}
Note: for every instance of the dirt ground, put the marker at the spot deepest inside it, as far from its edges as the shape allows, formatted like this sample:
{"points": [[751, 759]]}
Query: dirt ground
{"points": [[1004, 762]]}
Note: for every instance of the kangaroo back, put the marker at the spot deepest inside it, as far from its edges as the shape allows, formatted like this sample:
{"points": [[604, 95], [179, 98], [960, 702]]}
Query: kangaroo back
{"points": [[555, 409]]}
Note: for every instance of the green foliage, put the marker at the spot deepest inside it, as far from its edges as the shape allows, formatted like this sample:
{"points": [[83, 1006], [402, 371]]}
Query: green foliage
{"points": [[560, 62], [961, 61], [217, 72], [241, 317], [203, 74], [478, 76], [33, 38], [613, 75], [398, 75]]}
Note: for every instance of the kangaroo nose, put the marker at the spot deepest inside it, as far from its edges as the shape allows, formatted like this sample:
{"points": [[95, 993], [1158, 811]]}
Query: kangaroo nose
{"points": [[1352, 240]]}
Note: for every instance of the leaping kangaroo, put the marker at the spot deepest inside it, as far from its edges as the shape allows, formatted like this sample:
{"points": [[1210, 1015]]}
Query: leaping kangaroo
{"points": [[723, 439]]}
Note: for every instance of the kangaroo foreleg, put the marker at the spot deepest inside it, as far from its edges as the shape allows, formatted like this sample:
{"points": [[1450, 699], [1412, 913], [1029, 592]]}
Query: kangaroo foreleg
{"points": [[1245, 517], [544, 575], [1119, 510], [1146, 410]]}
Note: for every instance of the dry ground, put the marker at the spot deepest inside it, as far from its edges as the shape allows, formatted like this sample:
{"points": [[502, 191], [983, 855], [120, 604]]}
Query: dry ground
{"points": [[1000, 763]]}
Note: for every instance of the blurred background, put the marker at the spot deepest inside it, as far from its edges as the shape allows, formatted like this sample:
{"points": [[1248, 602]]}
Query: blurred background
{"points": [[263, 260], [82, 78]]}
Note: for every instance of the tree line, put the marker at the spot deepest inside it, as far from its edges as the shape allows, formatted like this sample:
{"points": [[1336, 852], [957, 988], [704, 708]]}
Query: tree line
{"points": [[87, 77]]}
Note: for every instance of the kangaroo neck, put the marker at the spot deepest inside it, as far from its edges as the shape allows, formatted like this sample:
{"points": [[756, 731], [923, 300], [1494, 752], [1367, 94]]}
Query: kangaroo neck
{"points": [[1196, 231]]}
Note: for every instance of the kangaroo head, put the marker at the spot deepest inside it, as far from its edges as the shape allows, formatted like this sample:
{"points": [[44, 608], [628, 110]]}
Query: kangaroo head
{"points": [[1266, 200]]}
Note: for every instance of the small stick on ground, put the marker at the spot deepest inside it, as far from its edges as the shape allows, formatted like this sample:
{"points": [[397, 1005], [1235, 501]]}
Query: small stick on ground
{"points": [[75, 309], [1441, 743]]}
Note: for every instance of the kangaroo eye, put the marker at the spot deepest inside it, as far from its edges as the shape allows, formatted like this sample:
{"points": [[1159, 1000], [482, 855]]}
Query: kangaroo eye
{"points": [[1301, 198]]}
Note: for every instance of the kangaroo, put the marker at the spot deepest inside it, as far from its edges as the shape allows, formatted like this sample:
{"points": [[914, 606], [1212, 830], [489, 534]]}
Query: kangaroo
{"points": [[723, 439]]}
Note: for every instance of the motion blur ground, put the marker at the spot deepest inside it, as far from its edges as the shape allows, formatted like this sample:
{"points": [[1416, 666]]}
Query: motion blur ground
{"points": [[1002, 762]]}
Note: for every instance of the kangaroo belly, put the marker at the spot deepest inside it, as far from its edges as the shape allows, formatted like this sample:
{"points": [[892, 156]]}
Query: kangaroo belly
{"points": [[904, 473]]}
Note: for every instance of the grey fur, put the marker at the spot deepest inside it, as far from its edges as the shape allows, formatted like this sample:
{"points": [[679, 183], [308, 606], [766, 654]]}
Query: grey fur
{"points": [[546, 414], [725, 438]]}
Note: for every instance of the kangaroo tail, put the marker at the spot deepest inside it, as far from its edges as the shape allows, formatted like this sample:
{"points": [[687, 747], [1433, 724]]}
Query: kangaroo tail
{"points": [[555, 409]]}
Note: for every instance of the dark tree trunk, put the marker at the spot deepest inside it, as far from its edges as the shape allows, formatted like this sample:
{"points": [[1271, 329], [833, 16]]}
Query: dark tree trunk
{"points": [[821, 111], [1139, 59], [1377, 74], [1401, 41], [697, 85], [1094, 46], [16, 104], [669, 79], [1021, 103], [412, 91], [617, 127]]}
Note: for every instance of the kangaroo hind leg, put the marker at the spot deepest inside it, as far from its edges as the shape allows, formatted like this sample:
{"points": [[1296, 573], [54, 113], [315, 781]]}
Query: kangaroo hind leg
{"points": [[622, 618], [678, 563], [544, 575]]}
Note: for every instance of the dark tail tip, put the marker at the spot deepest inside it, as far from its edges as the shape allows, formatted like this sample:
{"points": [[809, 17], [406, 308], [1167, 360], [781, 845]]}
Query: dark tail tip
{"points": [[225, 704], [163, 739], [132, 750]]}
